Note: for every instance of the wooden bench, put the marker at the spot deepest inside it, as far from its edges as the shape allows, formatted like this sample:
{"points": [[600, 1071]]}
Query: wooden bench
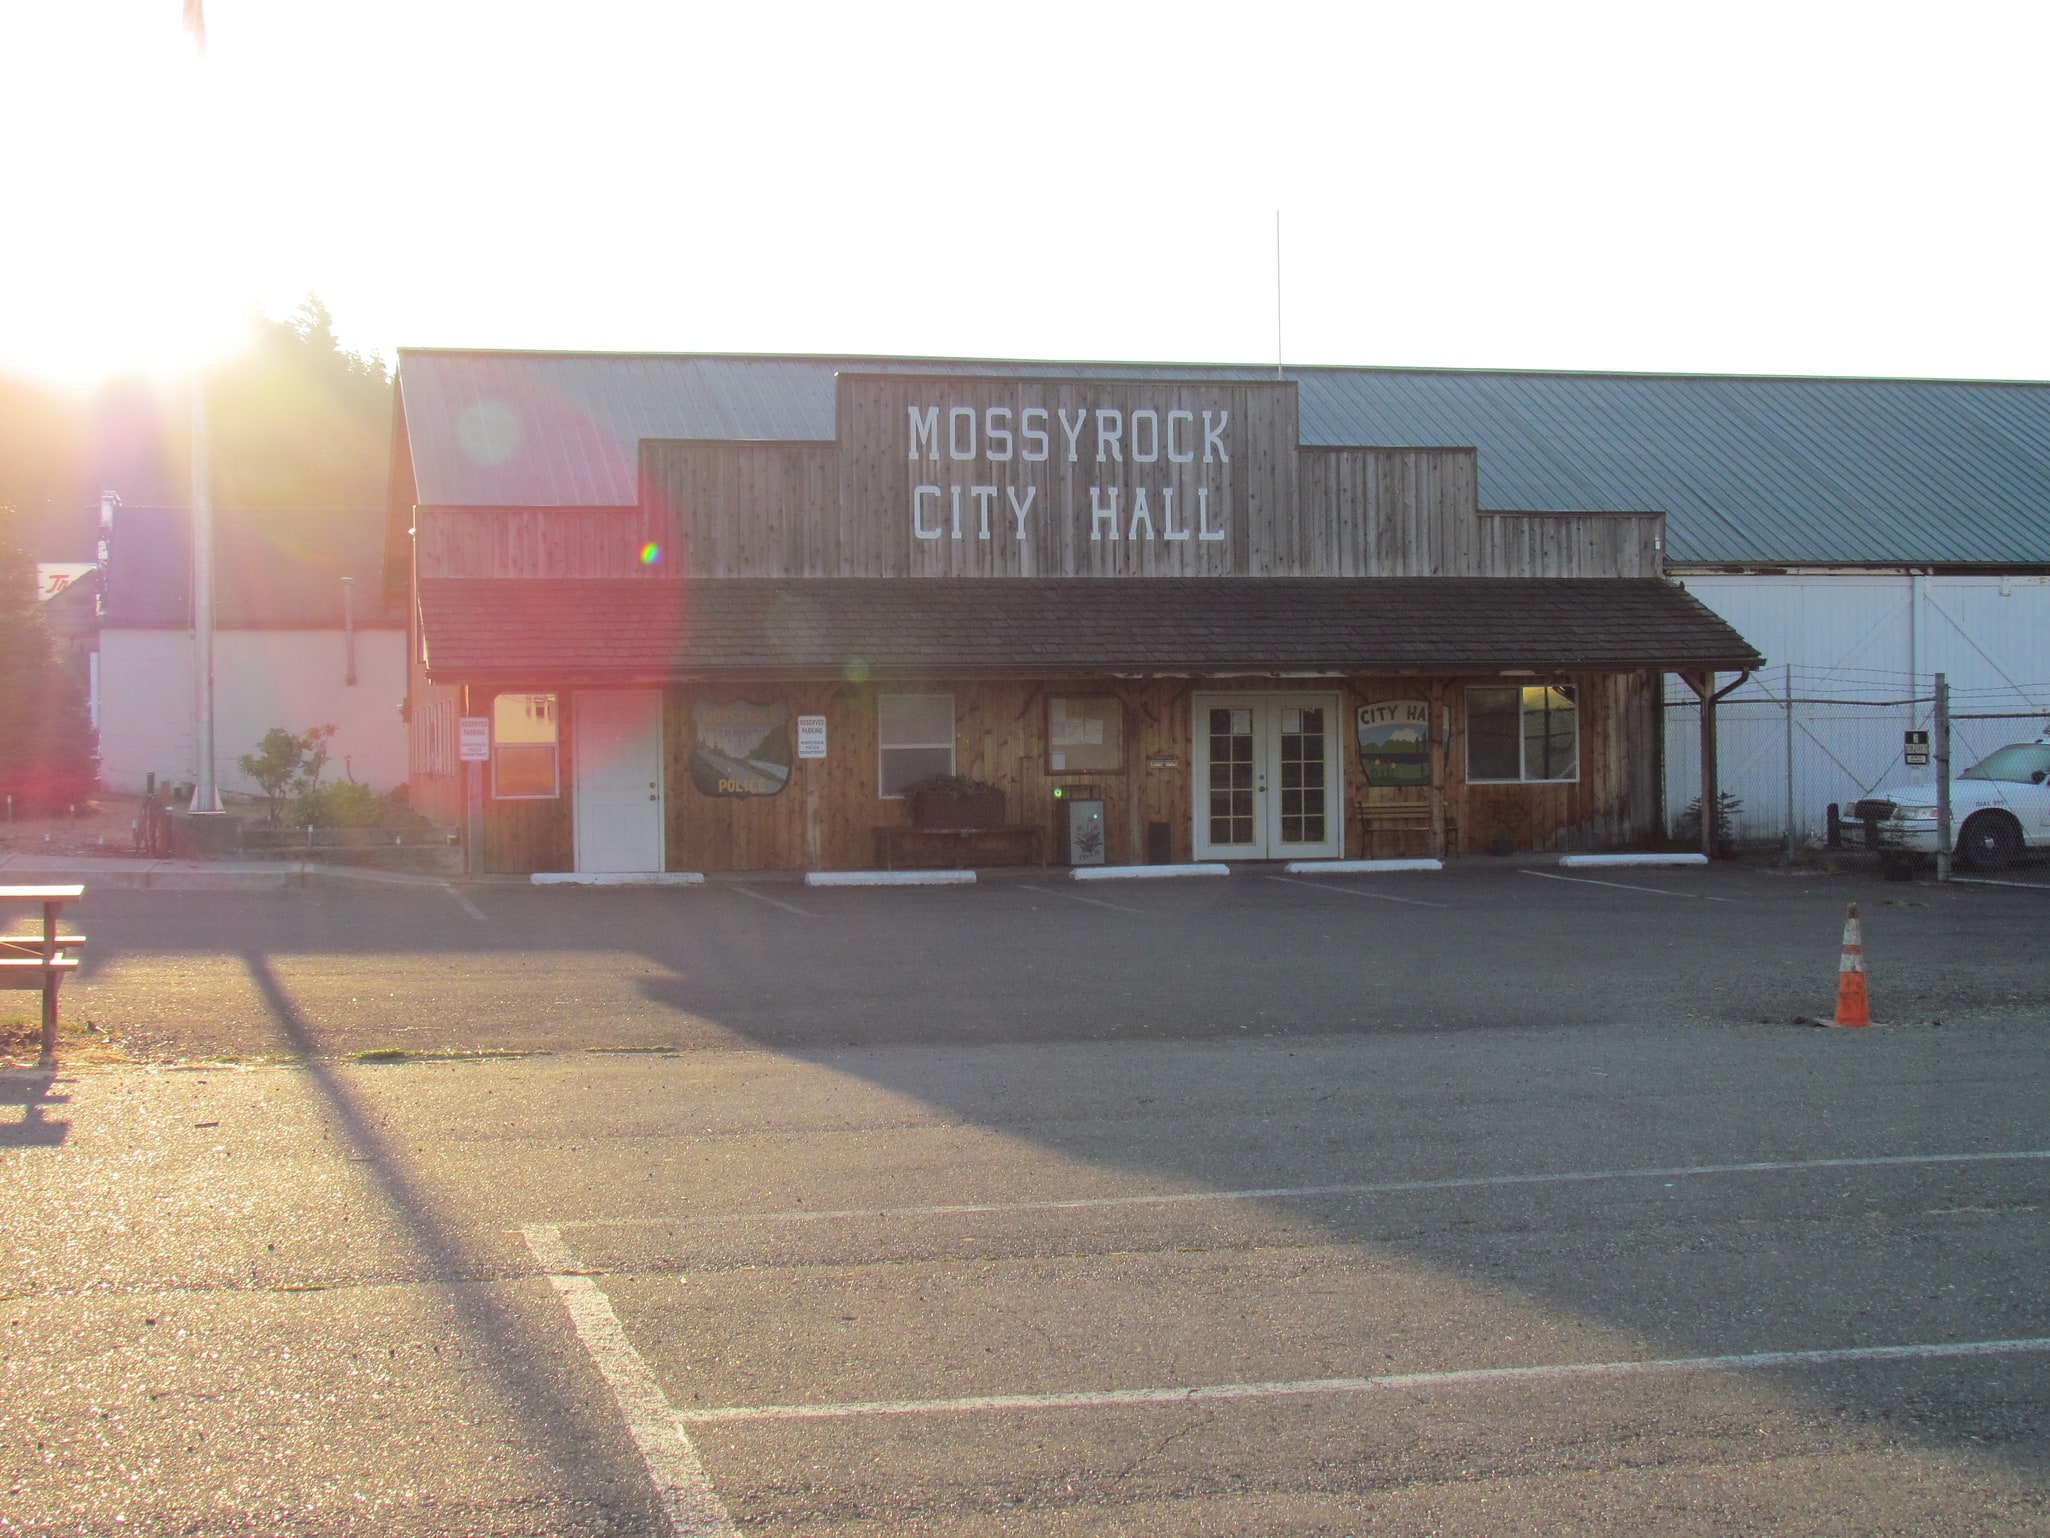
{"points": [[1027, 841], [1402, 818], [41, 961]]}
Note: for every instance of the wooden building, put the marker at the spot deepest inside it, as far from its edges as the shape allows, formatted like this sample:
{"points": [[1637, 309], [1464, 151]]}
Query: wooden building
{"points": [[737, 650]]}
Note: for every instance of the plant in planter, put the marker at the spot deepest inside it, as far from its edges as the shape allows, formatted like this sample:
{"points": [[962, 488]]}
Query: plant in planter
{"points": [[955, 801]]}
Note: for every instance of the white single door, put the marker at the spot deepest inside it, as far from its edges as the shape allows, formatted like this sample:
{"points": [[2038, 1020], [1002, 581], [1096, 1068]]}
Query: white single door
{"points": [[1267, 776], [617, 749]]}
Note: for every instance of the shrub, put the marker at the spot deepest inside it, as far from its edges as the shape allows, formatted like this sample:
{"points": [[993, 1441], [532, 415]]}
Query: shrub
{"points": [[285, 762], [1687, 828]]}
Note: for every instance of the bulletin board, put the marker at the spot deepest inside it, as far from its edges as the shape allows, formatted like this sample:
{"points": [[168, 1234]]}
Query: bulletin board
{"points": [[1085, 734]]}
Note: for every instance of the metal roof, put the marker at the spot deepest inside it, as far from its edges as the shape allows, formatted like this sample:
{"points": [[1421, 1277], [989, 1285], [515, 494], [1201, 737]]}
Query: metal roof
{"points": [[1748, 470]]}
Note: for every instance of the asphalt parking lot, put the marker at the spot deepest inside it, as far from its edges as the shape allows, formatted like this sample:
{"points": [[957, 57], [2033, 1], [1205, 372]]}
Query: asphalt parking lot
{"points": [[1505, 1200]]}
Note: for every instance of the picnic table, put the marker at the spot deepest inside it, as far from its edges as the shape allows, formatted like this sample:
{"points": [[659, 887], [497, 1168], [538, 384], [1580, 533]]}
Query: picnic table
{"points": [[41, 961]]}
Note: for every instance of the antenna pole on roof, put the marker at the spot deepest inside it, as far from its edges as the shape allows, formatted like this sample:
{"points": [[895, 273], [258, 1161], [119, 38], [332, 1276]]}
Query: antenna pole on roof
{"points": [[1277, 293]]}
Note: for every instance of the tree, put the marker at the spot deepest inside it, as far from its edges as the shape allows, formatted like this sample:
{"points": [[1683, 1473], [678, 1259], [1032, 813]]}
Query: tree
{"points": [[285, 762], [296, 421], [49, 756]]}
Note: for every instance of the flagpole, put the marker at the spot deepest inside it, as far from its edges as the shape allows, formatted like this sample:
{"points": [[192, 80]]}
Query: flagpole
{"points": [[206, 795]]}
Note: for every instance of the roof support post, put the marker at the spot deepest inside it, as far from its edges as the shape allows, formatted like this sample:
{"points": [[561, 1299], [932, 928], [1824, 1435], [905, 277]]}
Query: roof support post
{"points": [[1703, 685]]}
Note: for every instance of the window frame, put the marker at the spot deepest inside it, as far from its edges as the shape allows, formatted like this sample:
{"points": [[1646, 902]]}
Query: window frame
{"points": [[1524, 692], [885, 747], [554, 746]]}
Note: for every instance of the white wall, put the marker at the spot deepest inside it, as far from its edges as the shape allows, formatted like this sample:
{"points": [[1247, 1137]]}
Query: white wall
{"points": [[262, 679], [1859, 639]]}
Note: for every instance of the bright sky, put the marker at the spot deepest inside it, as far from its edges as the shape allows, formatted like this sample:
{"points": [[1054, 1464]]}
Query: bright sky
{"points": [[1772, 188]]}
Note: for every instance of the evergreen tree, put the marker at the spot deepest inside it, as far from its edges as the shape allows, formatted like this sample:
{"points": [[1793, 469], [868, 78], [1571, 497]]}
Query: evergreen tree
{"points": [[298, 422], [48, 754]]}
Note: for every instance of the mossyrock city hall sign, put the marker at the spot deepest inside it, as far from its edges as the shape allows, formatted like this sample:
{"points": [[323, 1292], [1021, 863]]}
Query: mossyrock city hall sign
{"points": [[931, 475], [1086, 475]]}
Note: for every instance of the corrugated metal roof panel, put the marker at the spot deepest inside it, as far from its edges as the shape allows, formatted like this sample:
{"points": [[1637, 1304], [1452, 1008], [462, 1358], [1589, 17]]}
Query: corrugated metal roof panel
{"points": [[1747, 470]]}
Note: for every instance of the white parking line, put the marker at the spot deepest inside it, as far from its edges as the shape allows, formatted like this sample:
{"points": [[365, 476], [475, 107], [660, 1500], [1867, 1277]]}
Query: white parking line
{"points": [[1658, 891], [1076, 897], [1353, 891], [469, 907], [693, 1508], [775, 903], [2019, 886], [1299, 1193], [1393, 1382]]}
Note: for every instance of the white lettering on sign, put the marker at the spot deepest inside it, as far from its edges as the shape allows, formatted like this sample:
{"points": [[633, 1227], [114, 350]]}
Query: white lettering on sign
{"points": [[1020, 509], [1186, 456], [1034, 435], [926, 430], [1141, 513], [1215, 436], [1073, 431], [1099, 515], [1110, 430], [1004, 435], [918, 494], [1151, 453]]}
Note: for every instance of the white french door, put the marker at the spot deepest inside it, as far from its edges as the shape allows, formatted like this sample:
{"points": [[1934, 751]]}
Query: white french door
{"points": [[617, 747], [1267, 776]]}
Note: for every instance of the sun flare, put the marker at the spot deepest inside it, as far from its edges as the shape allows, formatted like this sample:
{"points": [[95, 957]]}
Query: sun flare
{"points": [[137, 257]]}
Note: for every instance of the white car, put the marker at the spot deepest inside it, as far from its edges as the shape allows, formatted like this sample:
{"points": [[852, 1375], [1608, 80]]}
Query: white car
{"points": [[1999, 807]]}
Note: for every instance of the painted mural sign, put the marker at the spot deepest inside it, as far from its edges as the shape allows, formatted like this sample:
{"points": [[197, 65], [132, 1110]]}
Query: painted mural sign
{"points": [[1110, 443], [740, 749], [1395, 742]]}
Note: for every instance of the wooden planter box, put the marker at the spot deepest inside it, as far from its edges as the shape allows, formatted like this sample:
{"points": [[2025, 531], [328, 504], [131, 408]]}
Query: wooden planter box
{"points": [[936, 811]]}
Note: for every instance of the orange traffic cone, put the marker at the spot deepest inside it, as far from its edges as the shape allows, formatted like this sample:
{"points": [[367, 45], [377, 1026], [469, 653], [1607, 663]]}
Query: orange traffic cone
{"points": [[1852, 1007]]}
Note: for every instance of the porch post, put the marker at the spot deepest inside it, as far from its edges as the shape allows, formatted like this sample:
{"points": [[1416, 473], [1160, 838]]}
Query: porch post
{"points": [[1704, 685]]}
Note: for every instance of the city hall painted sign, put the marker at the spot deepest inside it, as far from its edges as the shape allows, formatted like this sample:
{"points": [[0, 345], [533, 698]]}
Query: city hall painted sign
{"points": [[1068, 476], [946, 476], [991, 439]]}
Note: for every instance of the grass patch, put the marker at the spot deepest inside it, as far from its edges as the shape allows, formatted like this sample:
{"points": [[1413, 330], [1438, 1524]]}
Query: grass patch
{"points": [[78, 1040], [448, 1055]]}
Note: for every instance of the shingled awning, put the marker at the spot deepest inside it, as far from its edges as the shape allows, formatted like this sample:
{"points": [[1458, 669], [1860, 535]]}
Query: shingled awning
{"points": [[625, 629]]}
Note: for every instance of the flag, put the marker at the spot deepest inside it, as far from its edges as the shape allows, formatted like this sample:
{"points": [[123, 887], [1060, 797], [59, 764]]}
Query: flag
{"points": [[195, 23]]}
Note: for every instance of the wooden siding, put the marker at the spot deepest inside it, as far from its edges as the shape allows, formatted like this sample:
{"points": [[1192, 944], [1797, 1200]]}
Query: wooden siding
{"points": [[745, 509], [999, 736], [533, 542], [848, 508], [1571, 545], [1384, 513], [523, 836], [1613, 804]]}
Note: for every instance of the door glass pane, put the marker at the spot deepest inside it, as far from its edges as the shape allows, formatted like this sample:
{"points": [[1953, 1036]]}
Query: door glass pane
{"points": [[1231, 777], [1302, 777]]}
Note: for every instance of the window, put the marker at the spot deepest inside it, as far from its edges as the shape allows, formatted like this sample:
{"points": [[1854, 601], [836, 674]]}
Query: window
{"points": [[1530, 733], [523, 747], [914, 739], [1085, 736]]}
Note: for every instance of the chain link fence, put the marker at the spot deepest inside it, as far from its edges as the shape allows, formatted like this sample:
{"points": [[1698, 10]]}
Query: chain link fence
{"points": [[1793, 740]]}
